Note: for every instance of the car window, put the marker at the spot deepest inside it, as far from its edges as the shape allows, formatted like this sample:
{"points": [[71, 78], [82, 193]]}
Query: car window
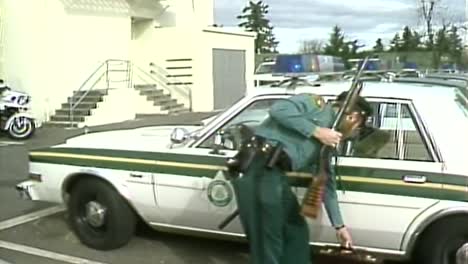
{"points": [[265, 68], [390, 133], [252, 116]]}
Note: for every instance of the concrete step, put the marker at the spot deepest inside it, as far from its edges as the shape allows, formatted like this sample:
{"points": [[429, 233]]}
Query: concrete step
{"points": [[165, 102], [159, 98], [76, 112], [172, 107], [86, 99], [66, 118], [82, 105], [151, 92], [145, 86], [98, 92]]}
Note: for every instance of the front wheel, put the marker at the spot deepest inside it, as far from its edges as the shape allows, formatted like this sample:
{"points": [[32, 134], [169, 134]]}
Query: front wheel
{"points": [[99, 216], [444, 239], [21, 128]]}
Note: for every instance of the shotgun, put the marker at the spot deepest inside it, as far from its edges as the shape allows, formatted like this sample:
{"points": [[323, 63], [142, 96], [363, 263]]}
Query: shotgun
{"points": [[312, 201]]}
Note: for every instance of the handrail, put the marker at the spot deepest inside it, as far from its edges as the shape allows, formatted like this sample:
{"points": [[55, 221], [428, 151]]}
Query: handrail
{"points": [[163, 75], [73, 105], [162, 80]]}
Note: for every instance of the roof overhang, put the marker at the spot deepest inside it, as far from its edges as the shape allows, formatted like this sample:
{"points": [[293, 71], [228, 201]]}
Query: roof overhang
{"points": [[131, 8]]}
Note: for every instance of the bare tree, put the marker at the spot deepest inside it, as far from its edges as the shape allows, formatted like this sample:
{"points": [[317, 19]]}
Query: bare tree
{"points": [[311, 46], [437, 13], [426, 12]]}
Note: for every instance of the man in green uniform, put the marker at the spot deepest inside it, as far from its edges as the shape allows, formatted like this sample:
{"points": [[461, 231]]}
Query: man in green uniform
{"points": [[268, 209]]}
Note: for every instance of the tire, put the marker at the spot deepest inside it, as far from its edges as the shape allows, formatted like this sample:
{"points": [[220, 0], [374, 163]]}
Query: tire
{"points": [[440, 243], [23, 132], [114, 229]]}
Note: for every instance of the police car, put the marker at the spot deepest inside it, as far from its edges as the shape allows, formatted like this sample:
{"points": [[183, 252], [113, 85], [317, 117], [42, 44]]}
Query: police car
{"points": [[405, 199]]}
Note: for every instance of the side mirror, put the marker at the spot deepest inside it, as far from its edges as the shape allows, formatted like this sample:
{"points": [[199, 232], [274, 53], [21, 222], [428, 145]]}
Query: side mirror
{"points": [[179, 135], [220, 142]]}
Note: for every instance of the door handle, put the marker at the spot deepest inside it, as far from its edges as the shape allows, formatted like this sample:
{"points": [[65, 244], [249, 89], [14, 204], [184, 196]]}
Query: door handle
{"points": [[133, 175], [414, 179]]}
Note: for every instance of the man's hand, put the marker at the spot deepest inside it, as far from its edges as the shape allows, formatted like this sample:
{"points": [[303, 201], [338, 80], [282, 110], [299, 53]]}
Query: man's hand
{"points": [[328, 136], [344, 237]]}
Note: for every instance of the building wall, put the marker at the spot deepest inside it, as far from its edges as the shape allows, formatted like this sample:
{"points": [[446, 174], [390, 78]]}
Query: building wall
{"points": [[190, 47], [188, 13], [217, 38], [50, 52]]}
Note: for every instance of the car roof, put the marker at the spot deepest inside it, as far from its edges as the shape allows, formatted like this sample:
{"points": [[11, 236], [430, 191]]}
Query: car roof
{"points": [[410, 91]]}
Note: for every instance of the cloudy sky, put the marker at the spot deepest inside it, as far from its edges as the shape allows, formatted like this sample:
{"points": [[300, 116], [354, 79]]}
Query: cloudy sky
{"points": [[365, 20]]}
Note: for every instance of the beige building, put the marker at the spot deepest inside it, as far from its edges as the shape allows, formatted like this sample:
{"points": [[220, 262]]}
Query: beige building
{"points": [[124, 56]]}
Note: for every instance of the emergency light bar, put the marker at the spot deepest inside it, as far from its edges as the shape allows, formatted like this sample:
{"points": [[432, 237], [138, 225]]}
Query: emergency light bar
{"points": [[294, 65]]}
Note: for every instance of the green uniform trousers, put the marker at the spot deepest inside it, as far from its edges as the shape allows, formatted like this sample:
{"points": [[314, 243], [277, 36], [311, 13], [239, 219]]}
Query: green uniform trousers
{"points": [[269, 214]]}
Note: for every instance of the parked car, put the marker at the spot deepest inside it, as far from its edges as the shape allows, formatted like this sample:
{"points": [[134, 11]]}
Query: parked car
{"points": [[406, 199], [264, 74], [271, 72]]}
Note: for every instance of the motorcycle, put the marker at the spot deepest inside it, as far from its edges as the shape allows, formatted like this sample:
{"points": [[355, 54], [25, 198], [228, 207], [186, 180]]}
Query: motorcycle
{"points": [[14, 117]]}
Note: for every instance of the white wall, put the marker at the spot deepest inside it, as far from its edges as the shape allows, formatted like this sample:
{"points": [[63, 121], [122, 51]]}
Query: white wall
{"points": [[156, 45], [188, 13], [110, 110], [50, 52], [159, 44], [23, 45], [218, 38]]}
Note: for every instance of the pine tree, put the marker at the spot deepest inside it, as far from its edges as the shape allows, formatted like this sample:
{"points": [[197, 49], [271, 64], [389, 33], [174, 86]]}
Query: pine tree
{"points": [[441, 46], [406, 39], [415, 41], [336, 43], [378, 46], [455, 45], [254, 20], [395, 43], [270, 40]]}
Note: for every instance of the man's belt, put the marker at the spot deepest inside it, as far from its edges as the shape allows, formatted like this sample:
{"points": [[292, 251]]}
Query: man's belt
{"points": [[256, 147]]}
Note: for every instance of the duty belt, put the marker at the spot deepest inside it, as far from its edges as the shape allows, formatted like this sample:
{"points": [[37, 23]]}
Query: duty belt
{"points": [[256, 147]]}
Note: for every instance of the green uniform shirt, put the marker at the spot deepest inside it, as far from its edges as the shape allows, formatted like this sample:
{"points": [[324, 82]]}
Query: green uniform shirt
{"points": [[292, 122]]}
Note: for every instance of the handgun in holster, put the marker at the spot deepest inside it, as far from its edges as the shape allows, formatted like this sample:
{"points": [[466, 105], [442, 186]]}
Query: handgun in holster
{"points": [[274, 157], [247, 152]]}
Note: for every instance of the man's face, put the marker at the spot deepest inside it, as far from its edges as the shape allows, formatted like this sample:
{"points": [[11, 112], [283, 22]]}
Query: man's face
{"points": [[351, 123]]}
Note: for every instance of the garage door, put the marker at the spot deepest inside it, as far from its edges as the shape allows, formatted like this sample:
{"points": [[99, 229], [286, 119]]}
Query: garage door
{"points": [[228, 76]]}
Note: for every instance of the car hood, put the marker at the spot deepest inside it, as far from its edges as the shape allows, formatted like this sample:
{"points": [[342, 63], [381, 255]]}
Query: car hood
{"points": [[141, 139]]}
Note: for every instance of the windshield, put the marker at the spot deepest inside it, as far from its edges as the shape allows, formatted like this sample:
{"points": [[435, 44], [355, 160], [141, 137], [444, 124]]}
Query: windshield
{"points": [[264, 68]]}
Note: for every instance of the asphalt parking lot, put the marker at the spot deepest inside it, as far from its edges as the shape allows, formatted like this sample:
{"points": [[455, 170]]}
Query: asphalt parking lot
{"points": [[35, 232]]}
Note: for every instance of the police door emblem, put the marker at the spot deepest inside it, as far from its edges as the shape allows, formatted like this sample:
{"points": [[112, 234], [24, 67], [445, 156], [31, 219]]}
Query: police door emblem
{"points": [[219, 191]]}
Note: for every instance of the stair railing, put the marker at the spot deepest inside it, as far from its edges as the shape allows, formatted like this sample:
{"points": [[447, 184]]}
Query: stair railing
{"points": [[160, 79], [95, 78]]}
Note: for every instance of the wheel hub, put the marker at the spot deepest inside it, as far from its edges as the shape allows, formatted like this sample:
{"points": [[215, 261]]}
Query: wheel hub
{"points": [[95, 214], [462, 254]]}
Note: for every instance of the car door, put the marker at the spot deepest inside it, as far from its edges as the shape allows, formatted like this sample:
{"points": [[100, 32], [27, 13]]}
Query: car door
{"points": [[200, 195], [387, 180]]}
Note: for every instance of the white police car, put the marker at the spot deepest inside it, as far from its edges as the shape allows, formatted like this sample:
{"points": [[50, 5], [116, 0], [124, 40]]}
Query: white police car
{"points": [[407, 198]]}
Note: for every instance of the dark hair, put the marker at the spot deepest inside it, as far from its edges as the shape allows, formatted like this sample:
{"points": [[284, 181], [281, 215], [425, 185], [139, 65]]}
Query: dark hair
{"points": [[362, 104]]}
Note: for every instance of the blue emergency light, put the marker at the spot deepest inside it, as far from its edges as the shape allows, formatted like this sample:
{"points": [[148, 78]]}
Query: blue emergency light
{"points": [[293, 64]]}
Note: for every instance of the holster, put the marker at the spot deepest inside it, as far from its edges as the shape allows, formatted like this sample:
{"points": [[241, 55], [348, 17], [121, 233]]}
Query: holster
{"points": [[257, 146]]}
